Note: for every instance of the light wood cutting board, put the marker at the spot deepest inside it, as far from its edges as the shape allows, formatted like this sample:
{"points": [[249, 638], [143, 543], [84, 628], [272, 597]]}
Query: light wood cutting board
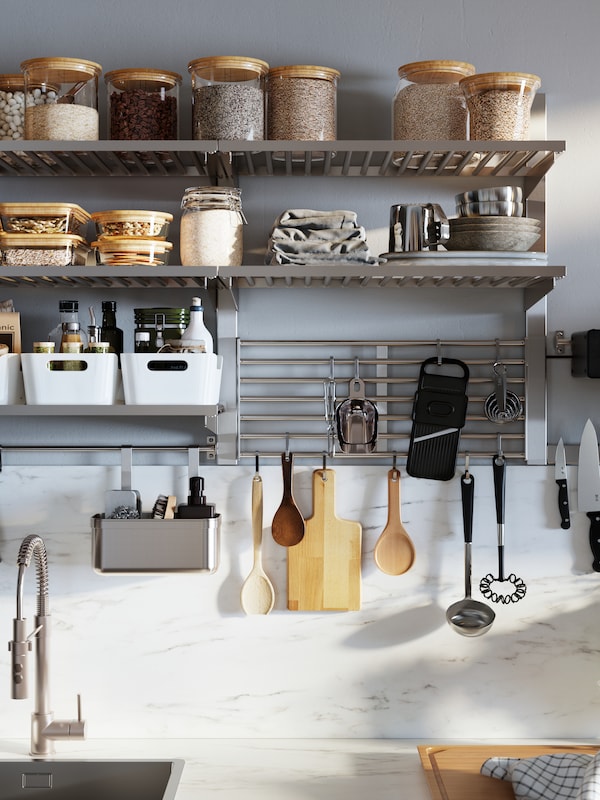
{"points": [[453, 771], [324, 568]]}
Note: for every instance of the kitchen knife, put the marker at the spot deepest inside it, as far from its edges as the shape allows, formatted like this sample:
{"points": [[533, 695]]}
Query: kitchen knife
{"points": [[588, 487], [560, 475]]}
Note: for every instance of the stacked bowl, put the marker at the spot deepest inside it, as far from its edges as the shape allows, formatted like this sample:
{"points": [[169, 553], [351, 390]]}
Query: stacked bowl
{"points": [[492, 219], [126, 237]]}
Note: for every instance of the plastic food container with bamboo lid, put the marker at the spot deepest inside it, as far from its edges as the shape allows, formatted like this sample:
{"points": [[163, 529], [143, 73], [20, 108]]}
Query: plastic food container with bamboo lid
{"points": [[118, 251], [145, 224], [36, 218], [42, 250], [69, 88], [429, 102], [143, 103], [302, 103], [228, 97], [499, 104]]}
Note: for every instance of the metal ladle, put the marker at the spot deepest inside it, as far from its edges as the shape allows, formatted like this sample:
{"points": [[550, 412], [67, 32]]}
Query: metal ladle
{"points": [[469, 617]]}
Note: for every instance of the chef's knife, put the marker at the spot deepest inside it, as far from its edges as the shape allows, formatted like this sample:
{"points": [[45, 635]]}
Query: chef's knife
{"points": [[588, 487], [560, 475]]}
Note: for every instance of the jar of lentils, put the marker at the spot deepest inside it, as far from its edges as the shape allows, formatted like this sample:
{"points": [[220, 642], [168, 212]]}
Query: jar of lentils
{"points": [[211, 230], [302, 103], [68, 90], [499, 104], [228, 97], [142, 103]]}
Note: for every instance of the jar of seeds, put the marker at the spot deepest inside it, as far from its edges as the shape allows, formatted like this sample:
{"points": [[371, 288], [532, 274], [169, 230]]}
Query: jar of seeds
{"points": [[69, 88], [429, 102], [302, 103], [499, 104], [211, 227], [228, 97], [142, 103]]}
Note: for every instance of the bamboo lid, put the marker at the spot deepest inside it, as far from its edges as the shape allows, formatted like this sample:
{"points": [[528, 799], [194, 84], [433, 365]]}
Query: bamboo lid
{"points": [[136, 78], [508, 81], [17, 209], [131, 216], [435, 71], [47, 240], [60, 70], [305, 71], [228, 69], [132, 244]]}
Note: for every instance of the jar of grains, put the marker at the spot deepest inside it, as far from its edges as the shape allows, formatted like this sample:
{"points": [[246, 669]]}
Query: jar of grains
{"points": [[142, 103], [302, 103], [69, 88], [211, 227], [228, 97], [499, 104]]}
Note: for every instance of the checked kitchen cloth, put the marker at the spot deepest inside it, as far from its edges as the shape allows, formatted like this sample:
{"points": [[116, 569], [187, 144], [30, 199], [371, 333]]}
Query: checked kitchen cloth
{"points": [[560, 776]]}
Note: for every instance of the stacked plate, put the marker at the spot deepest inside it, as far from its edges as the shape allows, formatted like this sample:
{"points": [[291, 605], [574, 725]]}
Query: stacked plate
{"points": [[492, 219]]}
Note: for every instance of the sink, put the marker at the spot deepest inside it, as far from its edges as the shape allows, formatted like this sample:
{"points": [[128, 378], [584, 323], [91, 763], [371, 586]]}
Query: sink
{"points": [[90, 780]]}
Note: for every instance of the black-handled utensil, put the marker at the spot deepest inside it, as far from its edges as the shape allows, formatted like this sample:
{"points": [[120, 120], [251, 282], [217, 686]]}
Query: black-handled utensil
{"points": [[560, 475]]}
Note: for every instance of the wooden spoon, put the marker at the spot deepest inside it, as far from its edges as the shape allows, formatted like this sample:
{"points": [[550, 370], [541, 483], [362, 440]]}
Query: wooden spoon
{"points": [[394, 551], [288, 523], [257, 595]]}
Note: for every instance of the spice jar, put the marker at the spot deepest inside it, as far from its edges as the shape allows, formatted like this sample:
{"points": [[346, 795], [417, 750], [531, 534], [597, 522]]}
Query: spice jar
{"points": [[211, 227], [302, 103], [499, 104], [142, 103], [69, 88], [429, 102], [228, 97]]}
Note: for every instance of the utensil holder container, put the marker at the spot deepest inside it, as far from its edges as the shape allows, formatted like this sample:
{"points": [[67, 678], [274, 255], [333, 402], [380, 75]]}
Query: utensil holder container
{"points": [[171, 378], [12, 391], [93, 378], [149, 545]]}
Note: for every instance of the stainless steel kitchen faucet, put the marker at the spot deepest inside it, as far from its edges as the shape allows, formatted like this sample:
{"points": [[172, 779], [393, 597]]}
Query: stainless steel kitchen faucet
{"points": [[44, 728]]}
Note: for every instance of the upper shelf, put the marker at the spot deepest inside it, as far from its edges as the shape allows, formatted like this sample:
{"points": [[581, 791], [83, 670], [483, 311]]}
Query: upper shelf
{"points": [[222, 161]]}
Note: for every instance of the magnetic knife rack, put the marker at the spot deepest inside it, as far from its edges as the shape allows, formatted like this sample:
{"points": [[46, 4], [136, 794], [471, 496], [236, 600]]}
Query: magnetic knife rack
{"points": [[285, 395]]}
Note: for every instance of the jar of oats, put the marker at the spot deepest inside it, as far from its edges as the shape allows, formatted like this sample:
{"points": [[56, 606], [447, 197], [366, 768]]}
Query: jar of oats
{"points": [[499, 104], [302, 103], [429, 102], [211, 227], [228, 97], [142, 103], [68, 88]]}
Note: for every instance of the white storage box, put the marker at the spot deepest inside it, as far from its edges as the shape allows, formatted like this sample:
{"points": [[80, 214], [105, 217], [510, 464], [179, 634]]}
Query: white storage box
{"points": [[12, 391], [171, 378], [46, 381]]}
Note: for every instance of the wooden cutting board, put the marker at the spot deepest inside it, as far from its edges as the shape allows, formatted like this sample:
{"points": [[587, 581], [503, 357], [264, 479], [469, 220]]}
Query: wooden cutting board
{"points": [[453, 771], [324, 568]]}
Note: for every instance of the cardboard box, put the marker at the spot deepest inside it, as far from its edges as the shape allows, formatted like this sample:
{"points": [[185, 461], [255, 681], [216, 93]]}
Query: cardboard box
{"points": [[10, 330]]}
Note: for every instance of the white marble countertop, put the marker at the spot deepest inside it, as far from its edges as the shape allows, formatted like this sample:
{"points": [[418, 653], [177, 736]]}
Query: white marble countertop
{"points": [[275, 769]]}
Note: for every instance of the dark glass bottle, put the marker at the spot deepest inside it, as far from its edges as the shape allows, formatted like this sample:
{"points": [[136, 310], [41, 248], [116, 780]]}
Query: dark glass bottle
{"points": [[109, 331]]}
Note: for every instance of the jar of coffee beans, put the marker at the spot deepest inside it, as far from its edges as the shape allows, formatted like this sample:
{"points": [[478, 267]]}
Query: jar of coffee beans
{"points": [[302, 103], [228, 97], [142, 103], [499, 104], [61, 98], [211, 227]]}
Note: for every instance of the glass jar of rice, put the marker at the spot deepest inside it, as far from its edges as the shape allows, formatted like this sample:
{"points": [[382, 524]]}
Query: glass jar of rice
{"points": [[211, 227]]}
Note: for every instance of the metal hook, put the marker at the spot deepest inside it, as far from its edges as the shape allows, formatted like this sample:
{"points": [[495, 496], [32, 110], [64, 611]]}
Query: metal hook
{"points": [[324, 461], [500, 453], [356, 370], [394, 459], [287, 446], [438, 346], [467, 458], [257, 462]]}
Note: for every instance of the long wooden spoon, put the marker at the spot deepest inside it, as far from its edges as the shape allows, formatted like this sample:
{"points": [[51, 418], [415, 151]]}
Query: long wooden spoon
{"points": [[288, 523], [394, 551], [257, 595]]}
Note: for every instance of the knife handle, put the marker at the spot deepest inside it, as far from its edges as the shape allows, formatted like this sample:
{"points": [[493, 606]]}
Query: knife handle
{"points": [[594, 517], [563, 504]]}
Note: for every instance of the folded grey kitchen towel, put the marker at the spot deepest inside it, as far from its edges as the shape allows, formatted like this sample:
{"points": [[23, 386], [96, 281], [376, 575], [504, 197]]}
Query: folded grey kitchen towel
{"points": [[308, 218], [557, 776]]}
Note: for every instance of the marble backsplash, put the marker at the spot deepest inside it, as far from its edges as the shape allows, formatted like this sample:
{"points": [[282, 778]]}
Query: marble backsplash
{"points": [[175, 656]]}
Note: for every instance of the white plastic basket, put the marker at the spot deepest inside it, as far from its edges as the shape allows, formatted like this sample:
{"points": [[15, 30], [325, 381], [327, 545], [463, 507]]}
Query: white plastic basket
{"points": [[12, 391], [171, 378], [96, 383]]}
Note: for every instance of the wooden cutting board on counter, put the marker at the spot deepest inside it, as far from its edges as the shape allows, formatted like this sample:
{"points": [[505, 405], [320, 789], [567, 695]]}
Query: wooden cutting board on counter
{"points": [[453, 771], [324, 568]]}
